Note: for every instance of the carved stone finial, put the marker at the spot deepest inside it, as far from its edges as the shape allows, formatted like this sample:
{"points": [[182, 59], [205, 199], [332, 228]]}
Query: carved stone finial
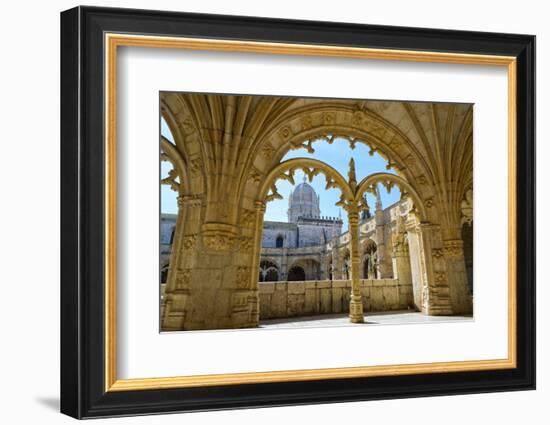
{"points": [[351, 173], [378, 200]]}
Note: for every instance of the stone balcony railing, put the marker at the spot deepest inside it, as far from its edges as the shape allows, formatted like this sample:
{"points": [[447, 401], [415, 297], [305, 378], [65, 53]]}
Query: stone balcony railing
{"points": [[312, 297], [303, 298]]}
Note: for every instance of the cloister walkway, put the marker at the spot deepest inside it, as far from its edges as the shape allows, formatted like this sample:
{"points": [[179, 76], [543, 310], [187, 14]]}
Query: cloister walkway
{"points": [[378, 318]]}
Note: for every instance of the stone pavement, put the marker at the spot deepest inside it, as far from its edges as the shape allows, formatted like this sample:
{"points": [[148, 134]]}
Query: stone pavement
{"points": [[377, 318]]}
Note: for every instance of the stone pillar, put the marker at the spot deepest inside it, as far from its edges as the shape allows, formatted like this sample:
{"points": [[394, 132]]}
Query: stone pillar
{"points": [[182, 262], [356, 303], [401, 259], [383, 265], [461, 300], [284, 264], [436, 299], [402, 271]]}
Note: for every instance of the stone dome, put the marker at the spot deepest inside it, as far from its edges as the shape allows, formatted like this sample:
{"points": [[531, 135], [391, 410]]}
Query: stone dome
{"points": [[303, 192], [303, 202]]}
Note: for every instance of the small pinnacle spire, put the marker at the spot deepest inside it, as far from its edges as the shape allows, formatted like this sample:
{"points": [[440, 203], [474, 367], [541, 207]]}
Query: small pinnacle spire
{"points": [[351, 173], [378, 200]]}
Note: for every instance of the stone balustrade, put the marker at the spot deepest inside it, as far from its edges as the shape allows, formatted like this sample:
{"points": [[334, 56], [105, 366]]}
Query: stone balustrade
{"points": [[303, 298]]}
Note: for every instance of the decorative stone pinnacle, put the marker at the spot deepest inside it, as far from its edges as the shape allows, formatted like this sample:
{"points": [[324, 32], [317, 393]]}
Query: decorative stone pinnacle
{"points": [[351, 173]]}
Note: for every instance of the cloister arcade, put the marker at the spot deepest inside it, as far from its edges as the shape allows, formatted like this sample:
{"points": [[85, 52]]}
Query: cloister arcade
{"points": [[226, 158]]}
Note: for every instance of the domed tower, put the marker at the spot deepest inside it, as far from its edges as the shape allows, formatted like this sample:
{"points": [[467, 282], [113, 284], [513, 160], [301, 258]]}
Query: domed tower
{"points": [[303, 202]]}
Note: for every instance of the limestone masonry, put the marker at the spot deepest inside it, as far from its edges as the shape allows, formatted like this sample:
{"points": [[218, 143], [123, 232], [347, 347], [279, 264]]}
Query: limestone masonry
{"points": [[223, 266]]}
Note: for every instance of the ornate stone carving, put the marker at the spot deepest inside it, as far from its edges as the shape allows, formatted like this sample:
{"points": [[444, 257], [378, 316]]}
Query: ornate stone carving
{"points": [[453, 248], [422, 180], [437, 253], [187, 126], [196, 165], [247, 217], [267, 151], [329, 118], [440, 278], [410, 162], [183, 279], [243, 277], [171, 181], [357, 118], [395, 143], [286, 132], [306, 123], [240, 302], [218, 242], [307, 145], [255, 175], [194, 200], [189, 241], [218, 236], [245, 243], [429, 203], [273, 194]]}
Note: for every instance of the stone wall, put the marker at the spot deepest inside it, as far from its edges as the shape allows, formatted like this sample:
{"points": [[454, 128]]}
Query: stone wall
{"points": [[290, 299], [271, 230]]}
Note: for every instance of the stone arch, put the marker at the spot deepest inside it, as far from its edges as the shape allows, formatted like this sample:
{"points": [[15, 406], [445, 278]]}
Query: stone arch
{"points": [[296, 273], [269, 271], [327, 120], [311, 167], [389, 180], [345, 264], [190, 189], [369, 260]]}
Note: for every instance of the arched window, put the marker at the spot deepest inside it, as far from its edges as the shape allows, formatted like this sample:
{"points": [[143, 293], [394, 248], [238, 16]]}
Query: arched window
{"points": [[296, 273], [346, 265], [268, 272], [370, 260], [279, 241]]}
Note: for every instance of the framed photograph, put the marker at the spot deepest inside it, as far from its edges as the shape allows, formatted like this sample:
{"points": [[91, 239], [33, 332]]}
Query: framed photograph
{"points": [[261, 212]]}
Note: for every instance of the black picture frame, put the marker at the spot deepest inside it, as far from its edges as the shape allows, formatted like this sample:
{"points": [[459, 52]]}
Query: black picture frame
{"points": [[83, 392]]}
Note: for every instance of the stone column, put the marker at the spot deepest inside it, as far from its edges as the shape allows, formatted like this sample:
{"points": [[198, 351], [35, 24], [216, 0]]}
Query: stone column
{"points": [[436, 299], [182, 259], [401, 258], [356, 303], [402, 271], [284, 264], [453, 252], [383, 266]]}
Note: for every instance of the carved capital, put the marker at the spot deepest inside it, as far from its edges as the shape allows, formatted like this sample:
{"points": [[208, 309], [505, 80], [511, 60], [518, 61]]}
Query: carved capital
{"points": [[190, 200]]}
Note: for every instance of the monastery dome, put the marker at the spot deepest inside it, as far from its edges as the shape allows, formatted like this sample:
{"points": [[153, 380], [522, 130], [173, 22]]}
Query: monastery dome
{"points": [[303, 202], [303, 193]]}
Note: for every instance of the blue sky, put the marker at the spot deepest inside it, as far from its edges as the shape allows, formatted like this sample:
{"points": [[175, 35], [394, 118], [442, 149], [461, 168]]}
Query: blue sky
{"points": [[336, 155]]}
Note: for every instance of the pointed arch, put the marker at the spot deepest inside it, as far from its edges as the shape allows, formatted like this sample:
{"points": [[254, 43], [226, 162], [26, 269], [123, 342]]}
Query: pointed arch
{"points": [[311, 167], [389, 180]]}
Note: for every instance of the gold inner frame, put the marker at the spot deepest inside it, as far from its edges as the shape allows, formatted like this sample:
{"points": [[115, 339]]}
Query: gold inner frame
{"points": [[113, 41]]}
